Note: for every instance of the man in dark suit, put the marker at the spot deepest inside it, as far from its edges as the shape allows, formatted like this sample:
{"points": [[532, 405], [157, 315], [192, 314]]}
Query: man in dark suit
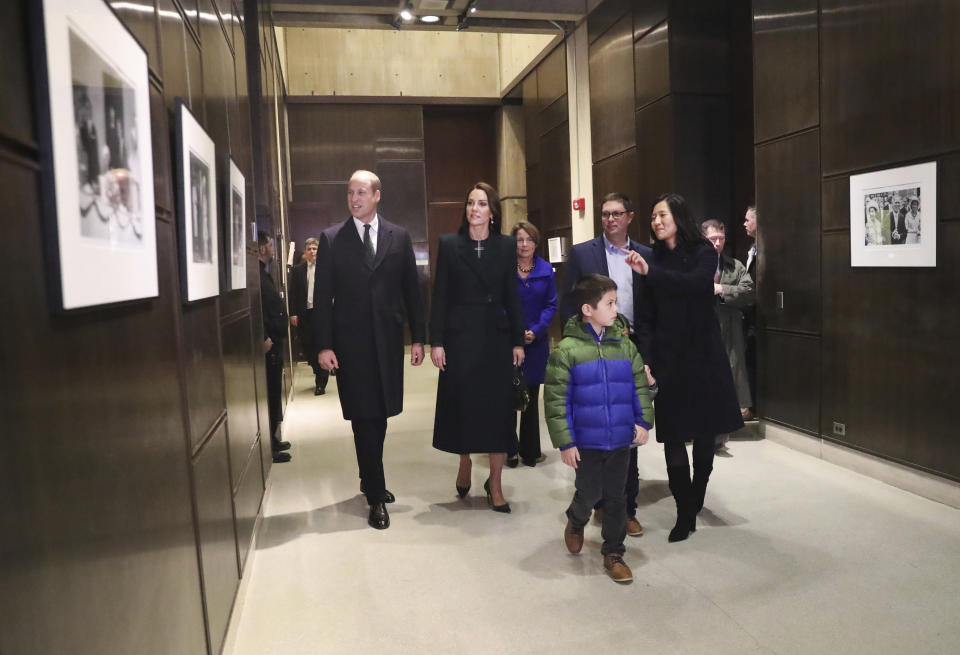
{"points": [[750, 313], [898, 225], [368, 280], [275, 333], [304, 301], [604, 255]]}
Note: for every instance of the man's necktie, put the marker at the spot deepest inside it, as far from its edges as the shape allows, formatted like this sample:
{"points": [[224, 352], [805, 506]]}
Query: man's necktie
{"points": [[368, 244]]}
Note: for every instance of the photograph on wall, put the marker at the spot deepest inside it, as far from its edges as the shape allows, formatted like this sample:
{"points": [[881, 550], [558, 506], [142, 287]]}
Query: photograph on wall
{"points": [[196, 207], [893, 217], [237, 241], [93, 101]]}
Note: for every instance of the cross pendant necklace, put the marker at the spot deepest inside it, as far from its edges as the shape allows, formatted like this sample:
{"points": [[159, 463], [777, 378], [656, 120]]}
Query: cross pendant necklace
{"points": [[479, 249]]}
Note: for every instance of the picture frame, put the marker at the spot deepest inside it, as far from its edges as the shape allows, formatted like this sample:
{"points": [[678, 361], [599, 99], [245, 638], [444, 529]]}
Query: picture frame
{"points": [[235, 229], [893, 217], [93, 123], [196, 184]]}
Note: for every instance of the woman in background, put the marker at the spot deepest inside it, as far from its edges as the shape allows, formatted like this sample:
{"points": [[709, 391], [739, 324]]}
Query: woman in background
{"points": [[537, 289]]}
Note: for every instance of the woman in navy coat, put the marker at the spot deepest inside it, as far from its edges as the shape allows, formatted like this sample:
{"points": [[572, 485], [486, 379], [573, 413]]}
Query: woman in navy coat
{"points": [[679, 338], [537, 289]]}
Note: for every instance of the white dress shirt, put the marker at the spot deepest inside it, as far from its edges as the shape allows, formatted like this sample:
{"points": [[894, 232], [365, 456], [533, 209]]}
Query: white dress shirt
{"points": [[374, 229], [311, 272]]}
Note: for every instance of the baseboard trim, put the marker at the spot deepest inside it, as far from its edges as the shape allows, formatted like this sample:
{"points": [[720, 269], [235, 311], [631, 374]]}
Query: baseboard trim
{"points": [[897, 475]]}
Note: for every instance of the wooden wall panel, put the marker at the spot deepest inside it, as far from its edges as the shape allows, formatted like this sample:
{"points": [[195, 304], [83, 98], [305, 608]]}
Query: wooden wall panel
{"points": [[619, 173], [702, 161], [218, 547], [647, 15], [246, 499], [552, 77], [555, 168], [888, 337], [790, 380], [604, 16], [651, 59], [611, 90], [140, 17], [700, 47], [240, 391], [531, 112], [16, 112], [656, 141], [403, 200], [892, 104], [788, 191], [786, 76]]}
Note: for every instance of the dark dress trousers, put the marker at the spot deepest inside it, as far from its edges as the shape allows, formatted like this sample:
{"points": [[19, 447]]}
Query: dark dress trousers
{"points": [[591, 257], [274, 327], [362, 310], [679, 337], [476, 317], [307, 317]]}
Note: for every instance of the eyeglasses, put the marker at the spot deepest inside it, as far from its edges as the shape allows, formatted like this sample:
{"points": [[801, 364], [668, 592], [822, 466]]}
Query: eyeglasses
{"points": [[606, 215]]}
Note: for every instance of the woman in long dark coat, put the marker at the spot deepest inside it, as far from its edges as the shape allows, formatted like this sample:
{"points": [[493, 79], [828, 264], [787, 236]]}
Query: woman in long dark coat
{"points": [[680, 340], [476, 337]]}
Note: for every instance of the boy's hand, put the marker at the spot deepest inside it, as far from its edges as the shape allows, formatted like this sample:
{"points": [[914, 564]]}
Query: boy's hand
{"points": [[570, 457], [650, 379], [640, 435]]}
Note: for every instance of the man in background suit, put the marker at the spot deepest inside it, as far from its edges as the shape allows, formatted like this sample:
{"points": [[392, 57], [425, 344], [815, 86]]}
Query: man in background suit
{"points": [[275, 333], [604, 255], [368, 279], [304, 300], [750, 313]]}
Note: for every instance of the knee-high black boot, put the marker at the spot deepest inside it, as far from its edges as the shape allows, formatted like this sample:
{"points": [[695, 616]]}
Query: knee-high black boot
{"points": [[701, 474], [680, 486]]}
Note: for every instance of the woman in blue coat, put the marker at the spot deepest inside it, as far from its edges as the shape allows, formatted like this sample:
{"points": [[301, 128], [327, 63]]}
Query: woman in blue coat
{"points": [[537, 289]]}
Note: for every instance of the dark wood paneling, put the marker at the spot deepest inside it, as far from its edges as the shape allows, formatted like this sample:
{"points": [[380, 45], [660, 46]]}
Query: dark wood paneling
{"points": [[162, 166], [531, 113], [655, 167], [552, 77], [140, 17], [535, 188], [786, 75], [948, 171], [240, 392], [554, 114], [449, 134], [203, 367], [741, 113], [93, 463], [647, 15], [604, 16], [556, 168], [700, 47], [836, 205], [702, 154], [888, 96], [403, 199], [790, 380], [611, 90], [246, 500], [16, 110], [889, 354], [651, 59], [218, 83], [618, 173], [173, 46], [218, 546], [788, 219], [399, 149]]}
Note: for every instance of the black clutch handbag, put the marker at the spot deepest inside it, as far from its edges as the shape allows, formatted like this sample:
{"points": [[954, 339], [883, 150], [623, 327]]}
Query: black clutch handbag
{"points": [[520, 394]]}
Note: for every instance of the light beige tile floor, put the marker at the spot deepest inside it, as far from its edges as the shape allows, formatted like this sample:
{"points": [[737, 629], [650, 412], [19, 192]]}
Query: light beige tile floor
{"points": [[793, 555]]}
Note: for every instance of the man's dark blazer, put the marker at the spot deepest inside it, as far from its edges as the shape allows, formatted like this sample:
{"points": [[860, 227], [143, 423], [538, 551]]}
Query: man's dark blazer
{"points": [[362, 309], [898, 224], [591, 257], [298, 303]]}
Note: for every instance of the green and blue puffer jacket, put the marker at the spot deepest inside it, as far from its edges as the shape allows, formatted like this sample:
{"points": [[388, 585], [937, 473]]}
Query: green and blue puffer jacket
{"points": [[596, 389]]}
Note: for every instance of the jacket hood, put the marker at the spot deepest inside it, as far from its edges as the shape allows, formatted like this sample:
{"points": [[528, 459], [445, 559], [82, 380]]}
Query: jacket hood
{"points": [[577, 329]]}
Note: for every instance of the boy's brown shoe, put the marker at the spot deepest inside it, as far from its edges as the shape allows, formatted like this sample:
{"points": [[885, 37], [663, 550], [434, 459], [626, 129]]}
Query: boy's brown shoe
{"points": [[617, 568], [573, 537], [634, 529]]}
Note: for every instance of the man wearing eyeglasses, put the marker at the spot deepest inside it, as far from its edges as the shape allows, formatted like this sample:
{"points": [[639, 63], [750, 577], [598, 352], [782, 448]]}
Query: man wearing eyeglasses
{"points": [[605, 255]]}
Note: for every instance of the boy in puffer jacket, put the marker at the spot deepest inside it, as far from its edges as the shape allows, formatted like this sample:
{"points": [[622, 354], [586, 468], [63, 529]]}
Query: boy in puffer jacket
{"points": [[597, 404]]}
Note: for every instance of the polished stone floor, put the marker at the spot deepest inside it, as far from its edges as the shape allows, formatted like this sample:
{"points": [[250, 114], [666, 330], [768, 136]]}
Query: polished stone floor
{"points": [[792, 555]]}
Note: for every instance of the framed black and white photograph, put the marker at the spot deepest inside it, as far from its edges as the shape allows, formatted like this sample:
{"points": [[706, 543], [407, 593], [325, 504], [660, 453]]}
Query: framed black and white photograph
{"points": [[196, 207], [893, 217], [237, 237], [94, 128]]}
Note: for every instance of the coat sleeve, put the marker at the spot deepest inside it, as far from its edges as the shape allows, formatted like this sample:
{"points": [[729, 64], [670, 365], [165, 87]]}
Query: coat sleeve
{"points": [[645, 322], [696, 280], [642, 404], [548, 310], [412, 298], [555, 390], [441, 290], [739, 293], [323, 291], [568, 306], [511, 298]]}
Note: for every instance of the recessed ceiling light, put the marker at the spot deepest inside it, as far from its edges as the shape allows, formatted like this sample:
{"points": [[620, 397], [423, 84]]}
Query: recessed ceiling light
{"points": [[473, 10], [406, 14], [430, 19]]}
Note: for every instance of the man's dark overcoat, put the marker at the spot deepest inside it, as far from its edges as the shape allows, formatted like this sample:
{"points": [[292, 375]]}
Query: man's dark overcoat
{"points": [[362, 315]]}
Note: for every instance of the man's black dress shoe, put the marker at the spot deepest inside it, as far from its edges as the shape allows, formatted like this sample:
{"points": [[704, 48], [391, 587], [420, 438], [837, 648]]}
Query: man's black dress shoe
{"points": [[319, 391], [387, 496], [280, 458], [513, 461], [277, 446], [379, 518]]}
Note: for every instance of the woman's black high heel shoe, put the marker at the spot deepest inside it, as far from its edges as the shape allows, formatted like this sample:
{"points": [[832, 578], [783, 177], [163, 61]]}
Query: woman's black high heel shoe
{"points": [[503, 509], [462, 491]]}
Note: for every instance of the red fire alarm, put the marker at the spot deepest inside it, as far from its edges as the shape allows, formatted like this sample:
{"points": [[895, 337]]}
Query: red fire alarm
{"points": [[579, 204]]}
